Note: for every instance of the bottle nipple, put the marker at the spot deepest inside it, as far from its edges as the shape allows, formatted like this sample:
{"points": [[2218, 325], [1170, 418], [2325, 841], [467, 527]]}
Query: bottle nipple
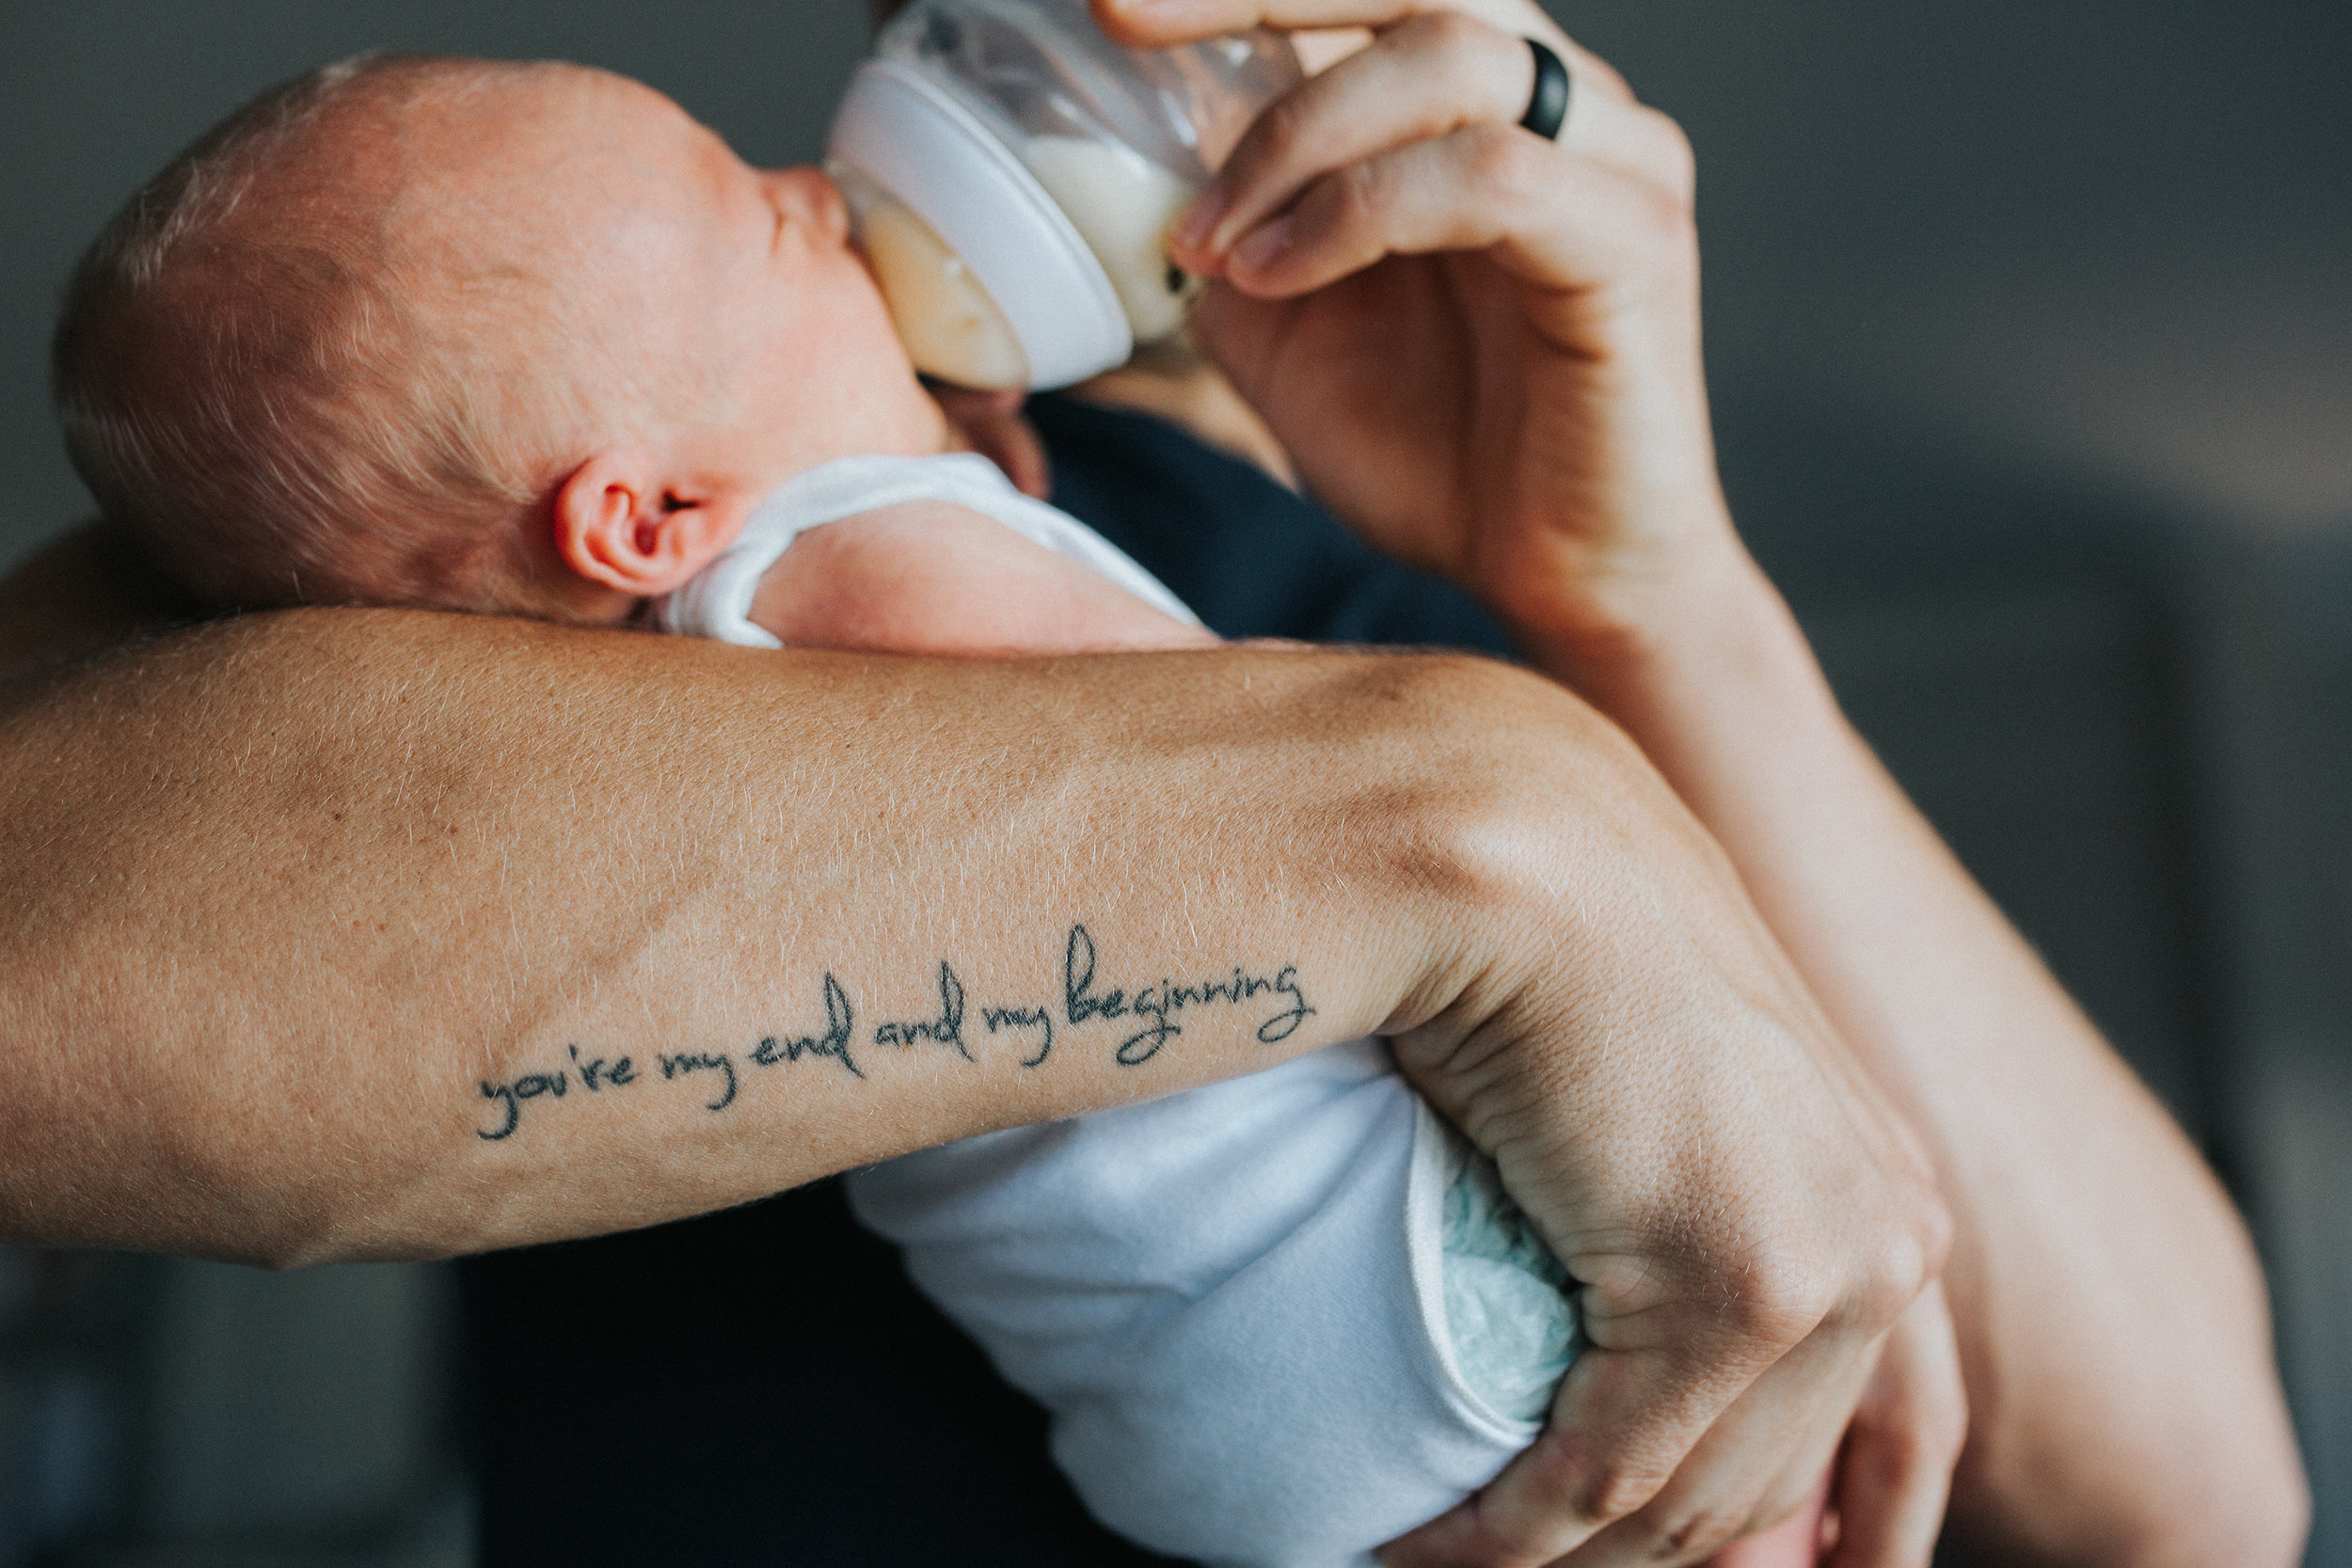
{"points": [[1122, 205]]}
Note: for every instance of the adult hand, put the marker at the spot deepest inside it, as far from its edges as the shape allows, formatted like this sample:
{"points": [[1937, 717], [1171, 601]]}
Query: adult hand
{"points": [[1744, 1222], [1895, 1472], [1501, 380], [1884, 1500], [1482, 348]]}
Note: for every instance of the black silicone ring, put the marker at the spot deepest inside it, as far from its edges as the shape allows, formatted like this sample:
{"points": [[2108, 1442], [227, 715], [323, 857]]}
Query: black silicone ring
{"points": [[1548, 105]]}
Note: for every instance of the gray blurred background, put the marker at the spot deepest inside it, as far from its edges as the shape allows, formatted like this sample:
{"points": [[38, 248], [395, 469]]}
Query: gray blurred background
{"points": [[2031, 338]]}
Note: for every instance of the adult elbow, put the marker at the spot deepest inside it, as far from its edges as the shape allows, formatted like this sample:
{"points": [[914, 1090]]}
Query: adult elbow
{"points": [[2249, 1505], [2257, 1515], [308, 1245]]}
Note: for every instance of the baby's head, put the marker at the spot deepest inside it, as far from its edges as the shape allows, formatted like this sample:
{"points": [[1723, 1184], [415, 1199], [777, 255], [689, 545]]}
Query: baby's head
{"points": [[473, 333]]}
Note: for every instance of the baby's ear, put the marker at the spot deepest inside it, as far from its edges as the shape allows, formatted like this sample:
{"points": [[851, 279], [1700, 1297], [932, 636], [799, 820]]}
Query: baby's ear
{"points": [[625, 520]]}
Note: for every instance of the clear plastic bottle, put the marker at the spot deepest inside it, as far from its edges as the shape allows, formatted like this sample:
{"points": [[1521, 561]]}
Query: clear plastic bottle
{"points": [[1015, 174]]}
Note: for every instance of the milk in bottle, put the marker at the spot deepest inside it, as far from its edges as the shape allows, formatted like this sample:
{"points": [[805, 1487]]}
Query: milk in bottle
{"points": [[1014, 176]]}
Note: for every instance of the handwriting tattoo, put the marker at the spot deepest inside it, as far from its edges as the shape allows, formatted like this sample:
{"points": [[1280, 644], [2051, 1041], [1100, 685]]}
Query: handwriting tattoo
{"points": [[696, 1061], [1150, 1012], [835, 1042], [1024, 1017], [620, 1074], [1080, 1003], [947, 1029]]}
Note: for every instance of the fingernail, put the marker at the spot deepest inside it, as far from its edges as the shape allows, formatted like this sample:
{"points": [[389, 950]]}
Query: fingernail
{"points": [[1264, 244], [1200, 219]]}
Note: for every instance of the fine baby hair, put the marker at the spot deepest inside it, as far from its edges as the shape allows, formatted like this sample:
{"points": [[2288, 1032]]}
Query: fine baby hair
{"points": [[258, 373]]}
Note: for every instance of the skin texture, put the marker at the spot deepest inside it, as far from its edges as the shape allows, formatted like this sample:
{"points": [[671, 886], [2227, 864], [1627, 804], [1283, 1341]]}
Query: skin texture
{"points": [[1531, 898], [929, 577], [734, 282], [674, 302], [267, 991], [719, 285], [932, 578], [1537, 430]]}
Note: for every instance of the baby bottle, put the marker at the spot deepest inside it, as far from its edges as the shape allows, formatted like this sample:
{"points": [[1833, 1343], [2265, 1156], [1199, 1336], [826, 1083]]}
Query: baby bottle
{"points": [[1013, 175]]}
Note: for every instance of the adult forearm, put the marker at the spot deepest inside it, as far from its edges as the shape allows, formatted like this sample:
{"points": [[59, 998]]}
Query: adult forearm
{"points": [[359, 934], [366, 934], [2113, 1323]]}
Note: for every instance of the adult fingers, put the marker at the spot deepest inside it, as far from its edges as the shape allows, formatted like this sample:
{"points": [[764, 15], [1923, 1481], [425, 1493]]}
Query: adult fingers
{"points": [[1755, 1468], [1896, 1473], [1795, 1541], [1160, 23], [1689, 1421], [1640, 1465], [1553, 219], [1571, 1484], [1431, 74]]}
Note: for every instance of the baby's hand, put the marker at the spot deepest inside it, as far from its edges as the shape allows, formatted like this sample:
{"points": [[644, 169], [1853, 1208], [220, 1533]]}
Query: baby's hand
{"points": [[992, 424]]}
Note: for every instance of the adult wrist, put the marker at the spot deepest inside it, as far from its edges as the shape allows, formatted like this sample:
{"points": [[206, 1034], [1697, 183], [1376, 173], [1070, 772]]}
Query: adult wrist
{"points": [[1697, 605], [1477, 779]]}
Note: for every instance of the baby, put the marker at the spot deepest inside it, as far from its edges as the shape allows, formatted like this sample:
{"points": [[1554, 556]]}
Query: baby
{"points": [[1277, 1319], [525, 339]]}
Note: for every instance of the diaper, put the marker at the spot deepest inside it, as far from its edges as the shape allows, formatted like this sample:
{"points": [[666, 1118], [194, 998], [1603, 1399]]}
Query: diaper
{"points": [[1509, 1322], [1278, 1321]]}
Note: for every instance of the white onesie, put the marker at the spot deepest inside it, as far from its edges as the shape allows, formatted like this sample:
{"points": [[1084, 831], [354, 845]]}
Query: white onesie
{"points": [[1277, 1319]]}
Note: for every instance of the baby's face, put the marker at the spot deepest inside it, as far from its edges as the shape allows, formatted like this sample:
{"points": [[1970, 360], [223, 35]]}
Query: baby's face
{"points": [[933, 577], [728, 295]]}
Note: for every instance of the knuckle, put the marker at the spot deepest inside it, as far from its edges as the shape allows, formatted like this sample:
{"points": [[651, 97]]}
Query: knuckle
{"points": [[1667, 230], [1599, 74], [1617, 1489], [1932, 1215], [1503, 159], [1281, 131], [1473, 60], [1660, 241], [1781, 1298], [1361, 193], [1697, 1535], [1444, 32], [1893, 1274], [1667, 151]]}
